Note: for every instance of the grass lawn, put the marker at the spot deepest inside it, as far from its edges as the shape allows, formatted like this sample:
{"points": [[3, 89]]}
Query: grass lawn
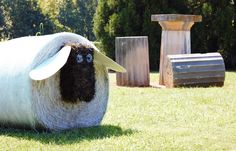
{"points": [[148, 119]]}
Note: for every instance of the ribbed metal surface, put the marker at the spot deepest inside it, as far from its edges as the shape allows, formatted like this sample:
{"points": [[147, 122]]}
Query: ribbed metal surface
{"points": [[195, 70]]}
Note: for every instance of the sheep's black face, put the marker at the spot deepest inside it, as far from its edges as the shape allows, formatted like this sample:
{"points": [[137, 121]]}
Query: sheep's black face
{"points": [[77, 78]]}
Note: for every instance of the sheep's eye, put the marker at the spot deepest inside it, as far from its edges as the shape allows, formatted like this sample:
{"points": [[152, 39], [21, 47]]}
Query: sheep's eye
{"points": [[89, 58], [90, 49], [79, 58]]}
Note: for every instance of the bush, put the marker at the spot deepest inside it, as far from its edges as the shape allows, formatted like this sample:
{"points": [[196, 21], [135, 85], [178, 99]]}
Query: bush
{"points": [[115, 18], [24, 18]]}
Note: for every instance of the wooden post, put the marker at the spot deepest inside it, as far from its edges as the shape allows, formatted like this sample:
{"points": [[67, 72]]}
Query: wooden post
{"points": [[195, 70], [132, 53], [175, 37]]}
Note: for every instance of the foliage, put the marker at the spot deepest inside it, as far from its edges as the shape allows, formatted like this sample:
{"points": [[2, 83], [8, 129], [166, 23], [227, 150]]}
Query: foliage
{"points": [[113, 19], [215, 32], [147, 119], [3, 25], [24, 18], [38, 17], [117, 18], [129, 18], [51, 9], [71, 15]]}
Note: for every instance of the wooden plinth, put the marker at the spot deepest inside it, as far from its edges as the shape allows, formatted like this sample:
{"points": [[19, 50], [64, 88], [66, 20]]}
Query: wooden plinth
{"points": [[132, 54], [176, 38], [176, 17]]}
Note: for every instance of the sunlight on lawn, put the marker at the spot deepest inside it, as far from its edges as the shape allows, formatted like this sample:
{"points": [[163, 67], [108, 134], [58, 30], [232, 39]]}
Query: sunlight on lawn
{"points": [[148, 119]]}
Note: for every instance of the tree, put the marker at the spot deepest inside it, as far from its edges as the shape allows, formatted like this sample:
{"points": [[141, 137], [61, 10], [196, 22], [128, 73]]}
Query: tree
{"points": [[68, 16], [114, 18], [51, 9], [3, 24], [77, 16], [1, 15], [25, 18], [90, 6], [233, 52], [131, 17], [214, 33]]}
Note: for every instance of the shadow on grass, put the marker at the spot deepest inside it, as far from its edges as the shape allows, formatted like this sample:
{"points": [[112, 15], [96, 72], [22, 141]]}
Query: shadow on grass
{"points": [[68, 137]]}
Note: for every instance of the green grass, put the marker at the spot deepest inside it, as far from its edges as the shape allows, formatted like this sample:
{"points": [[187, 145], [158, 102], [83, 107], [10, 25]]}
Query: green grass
{"points": [[148, 119]]}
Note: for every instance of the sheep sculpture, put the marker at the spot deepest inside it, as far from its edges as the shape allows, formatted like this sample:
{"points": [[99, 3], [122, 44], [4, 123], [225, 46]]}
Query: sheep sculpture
{"points": [[54, 82]]}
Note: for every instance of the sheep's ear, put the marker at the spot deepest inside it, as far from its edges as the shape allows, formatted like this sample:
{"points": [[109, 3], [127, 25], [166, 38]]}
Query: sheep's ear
{"points": [[51, 65], [107, 62]]}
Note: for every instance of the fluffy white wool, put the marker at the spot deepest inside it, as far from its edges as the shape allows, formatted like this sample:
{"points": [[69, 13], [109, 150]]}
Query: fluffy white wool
{"points": [[28, 103]]}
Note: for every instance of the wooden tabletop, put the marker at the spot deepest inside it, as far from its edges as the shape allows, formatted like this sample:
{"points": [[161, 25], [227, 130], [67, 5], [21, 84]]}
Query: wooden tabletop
{"points": [[176, 17]]}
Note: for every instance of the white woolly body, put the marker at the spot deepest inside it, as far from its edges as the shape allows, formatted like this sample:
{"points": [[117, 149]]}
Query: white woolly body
{"points": [[35, 104]]}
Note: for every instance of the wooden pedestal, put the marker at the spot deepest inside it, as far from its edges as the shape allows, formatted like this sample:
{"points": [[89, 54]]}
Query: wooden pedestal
{"points": [[132, 54]]}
